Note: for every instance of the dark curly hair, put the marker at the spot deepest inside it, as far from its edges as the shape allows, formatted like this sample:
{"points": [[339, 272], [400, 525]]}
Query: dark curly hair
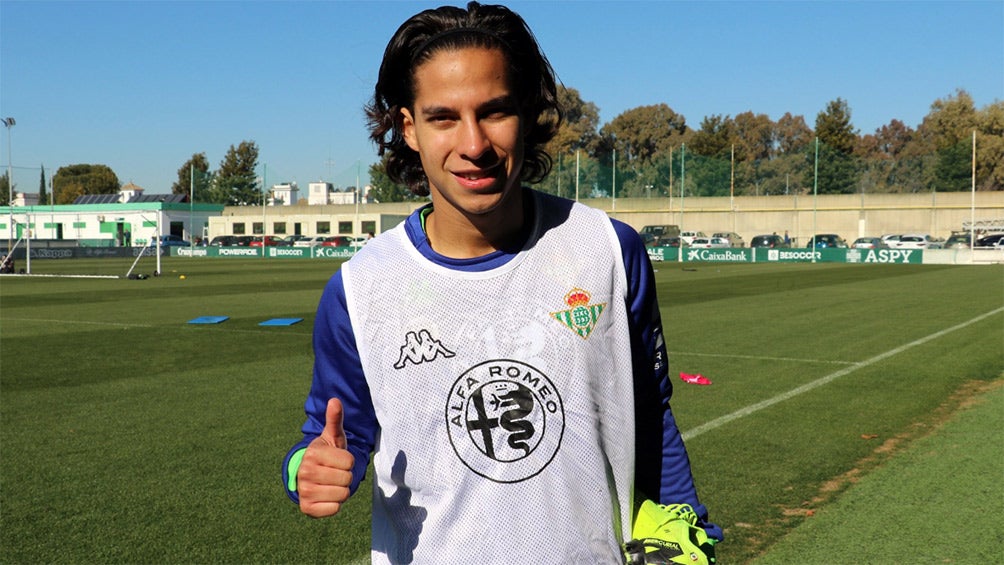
{"points": [[449, 27]]}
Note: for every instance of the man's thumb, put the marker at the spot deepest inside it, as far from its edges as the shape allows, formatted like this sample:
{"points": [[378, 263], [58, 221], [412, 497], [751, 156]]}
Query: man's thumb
{"points": [[334, 431]]}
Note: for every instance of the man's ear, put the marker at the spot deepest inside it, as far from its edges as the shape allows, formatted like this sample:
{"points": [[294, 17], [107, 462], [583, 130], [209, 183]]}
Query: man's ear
{"points": [[407, 122]]}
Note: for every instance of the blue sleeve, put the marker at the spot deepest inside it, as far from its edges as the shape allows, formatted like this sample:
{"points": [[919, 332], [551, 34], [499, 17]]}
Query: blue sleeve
{"points": [[337, 373], [662, 465]]}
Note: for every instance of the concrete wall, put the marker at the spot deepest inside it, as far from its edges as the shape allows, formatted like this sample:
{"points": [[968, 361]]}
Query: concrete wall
{"points": [[849, 215]]}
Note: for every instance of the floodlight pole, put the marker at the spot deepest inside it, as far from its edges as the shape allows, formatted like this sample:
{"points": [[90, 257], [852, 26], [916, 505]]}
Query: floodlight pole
{"points": [[683, 184], [264, 181], [160, 213], [191, 200], [576, 175], [358, 194], [972, 206], [9, 124], [613, 184], [815, 196]]}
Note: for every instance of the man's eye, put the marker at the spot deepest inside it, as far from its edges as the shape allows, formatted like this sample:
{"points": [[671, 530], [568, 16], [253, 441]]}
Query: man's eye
{"points": [[499, 114]]}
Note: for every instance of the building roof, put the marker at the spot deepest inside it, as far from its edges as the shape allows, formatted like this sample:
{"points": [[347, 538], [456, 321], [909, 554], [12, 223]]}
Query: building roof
{"points": [[137, 198]]}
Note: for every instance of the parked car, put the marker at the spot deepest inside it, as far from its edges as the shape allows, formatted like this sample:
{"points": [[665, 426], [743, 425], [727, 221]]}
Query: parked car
{"points": [[772, 241], [171, 240], [655, 234], [673, 241], [289, 240], [869, 243], [734, 239], [916, 241], [827, 240], [244, 240], [310, 241], [891, 238], [688, 236], [264, 241], [992, 240], [337, 241], [710, 243], [223, 241], [957, 240]]}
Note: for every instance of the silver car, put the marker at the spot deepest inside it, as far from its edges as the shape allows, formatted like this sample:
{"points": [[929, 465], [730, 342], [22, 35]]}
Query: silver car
{"points": [[869, 243]]}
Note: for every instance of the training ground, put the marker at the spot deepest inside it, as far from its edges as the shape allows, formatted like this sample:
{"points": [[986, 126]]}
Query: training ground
{"points": [[854, 415]]}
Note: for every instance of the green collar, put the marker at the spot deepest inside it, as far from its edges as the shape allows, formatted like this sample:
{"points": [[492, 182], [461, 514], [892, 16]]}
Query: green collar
{"points": [[424, 215]]}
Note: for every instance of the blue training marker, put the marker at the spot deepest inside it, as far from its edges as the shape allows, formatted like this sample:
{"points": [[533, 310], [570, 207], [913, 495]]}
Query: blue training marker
{"points": [[209, 319], [281, 322]]}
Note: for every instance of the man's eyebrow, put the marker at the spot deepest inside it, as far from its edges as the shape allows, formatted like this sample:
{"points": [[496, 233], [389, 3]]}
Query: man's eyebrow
{"points": [[504, 101]]}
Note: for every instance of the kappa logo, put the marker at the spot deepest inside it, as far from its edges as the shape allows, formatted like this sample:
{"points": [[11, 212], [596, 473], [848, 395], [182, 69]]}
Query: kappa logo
{"points": [[505, 420], [419, 348], [581, 317]]}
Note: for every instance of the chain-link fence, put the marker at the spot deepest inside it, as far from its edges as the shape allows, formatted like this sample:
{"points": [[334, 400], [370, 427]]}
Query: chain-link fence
{"points": [[823, 170]]}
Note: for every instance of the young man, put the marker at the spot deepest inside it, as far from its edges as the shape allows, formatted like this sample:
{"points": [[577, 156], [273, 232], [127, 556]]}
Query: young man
{"points": [[500, 353]]}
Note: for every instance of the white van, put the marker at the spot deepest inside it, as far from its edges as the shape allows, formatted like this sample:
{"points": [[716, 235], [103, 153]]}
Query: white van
{"points": [[688, 236]]}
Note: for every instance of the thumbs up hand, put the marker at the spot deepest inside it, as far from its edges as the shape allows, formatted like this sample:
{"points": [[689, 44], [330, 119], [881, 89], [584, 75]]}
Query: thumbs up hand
{"points": [[326, 470]]}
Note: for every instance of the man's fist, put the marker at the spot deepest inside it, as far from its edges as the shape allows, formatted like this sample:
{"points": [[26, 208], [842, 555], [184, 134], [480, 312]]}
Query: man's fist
{"points": [[326, 470]]}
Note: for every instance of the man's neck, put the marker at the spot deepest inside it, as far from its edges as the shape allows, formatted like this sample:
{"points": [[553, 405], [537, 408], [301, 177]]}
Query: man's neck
{"points": [[468, 237]]}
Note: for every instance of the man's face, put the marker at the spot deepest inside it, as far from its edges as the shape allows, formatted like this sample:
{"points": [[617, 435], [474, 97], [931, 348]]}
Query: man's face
{"points": [[466, 127]]}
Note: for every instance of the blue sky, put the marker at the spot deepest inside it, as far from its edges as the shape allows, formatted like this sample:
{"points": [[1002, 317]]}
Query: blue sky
{"points": [[141, 86]]}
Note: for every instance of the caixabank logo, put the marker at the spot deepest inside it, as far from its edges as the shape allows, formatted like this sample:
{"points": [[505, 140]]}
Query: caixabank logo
{"points": [[505, 420]]}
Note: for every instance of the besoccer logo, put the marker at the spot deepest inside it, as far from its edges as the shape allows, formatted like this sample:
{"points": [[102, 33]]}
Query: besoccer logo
{"points": [[505, 420], [773, 255]]}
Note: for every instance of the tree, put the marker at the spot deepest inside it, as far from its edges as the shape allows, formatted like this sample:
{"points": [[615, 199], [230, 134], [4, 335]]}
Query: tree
{"points": [[5, 189], [42, 196], [195, 172], [887, 166], [639, 136], [642, 133], [834, 128], [714, 138], [383, 189], [837, 140], [950, 121], [792, 135], [990, 148], [754, 137], [947, 132], [236, 183], [72, 181], [580, 125]]}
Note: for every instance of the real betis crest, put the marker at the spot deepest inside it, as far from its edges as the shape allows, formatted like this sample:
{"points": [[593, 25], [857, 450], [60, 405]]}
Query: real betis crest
{"points": [[581, 317]]}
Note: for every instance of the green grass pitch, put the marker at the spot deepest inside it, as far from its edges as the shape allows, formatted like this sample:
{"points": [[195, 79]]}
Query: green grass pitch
{"points": [[130, 436]]}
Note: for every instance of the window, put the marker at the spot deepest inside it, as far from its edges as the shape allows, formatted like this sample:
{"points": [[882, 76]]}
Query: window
{"points": [[239, 228], [279, 228], [258, 228], [323, 227], [369, 227], [345, 228]]}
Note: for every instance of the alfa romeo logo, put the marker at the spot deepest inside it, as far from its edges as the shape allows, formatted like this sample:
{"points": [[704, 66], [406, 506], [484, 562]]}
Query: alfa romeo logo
{"points": [[505, 420]]}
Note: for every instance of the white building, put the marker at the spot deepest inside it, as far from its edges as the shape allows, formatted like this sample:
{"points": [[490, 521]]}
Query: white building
{"points": [[107, 224], [284, 194], [325, 193]]}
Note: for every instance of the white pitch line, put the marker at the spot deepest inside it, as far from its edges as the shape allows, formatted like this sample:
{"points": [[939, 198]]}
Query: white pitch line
{"points": [[214, 327], [753, 408], [762, 358], [83, 322]]}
